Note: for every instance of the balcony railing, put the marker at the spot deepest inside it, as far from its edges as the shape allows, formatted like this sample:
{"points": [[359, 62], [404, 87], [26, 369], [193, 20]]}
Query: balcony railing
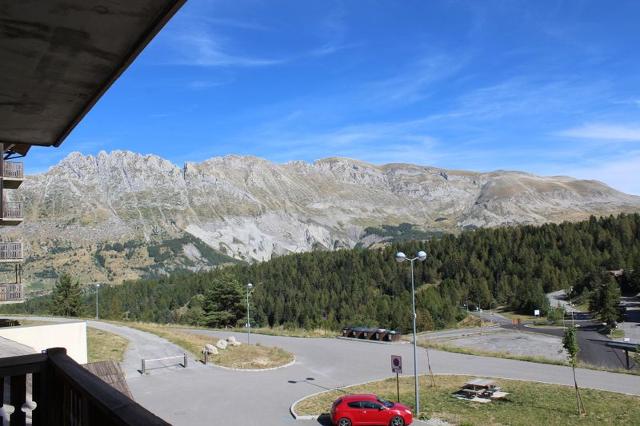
{"points": [[64, 393], [12, 210], [13, 169], [10, 251], [11, 292]]}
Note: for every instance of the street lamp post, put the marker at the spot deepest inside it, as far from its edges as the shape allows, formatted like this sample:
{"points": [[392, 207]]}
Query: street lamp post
{"points": [[249, 287], [97, 306], [401, 257]]}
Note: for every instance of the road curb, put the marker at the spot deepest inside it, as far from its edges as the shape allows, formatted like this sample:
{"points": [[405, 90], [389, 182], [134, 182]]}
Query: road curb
{"points": [[292, 408]]}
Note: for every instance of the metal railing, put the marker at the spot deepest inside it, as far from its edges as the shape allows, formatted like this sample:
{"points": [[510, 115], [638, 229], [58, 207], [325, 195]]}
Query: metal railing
{"points": [[10, 292], [64, 393], [145, 362], [12, 210], [13, 169], [10, 251]]}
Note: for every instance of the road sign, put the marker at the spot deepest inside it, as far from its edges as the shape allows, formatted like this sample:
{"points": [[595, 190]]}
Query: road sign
{"points": [[396, 364], [536, 312]]}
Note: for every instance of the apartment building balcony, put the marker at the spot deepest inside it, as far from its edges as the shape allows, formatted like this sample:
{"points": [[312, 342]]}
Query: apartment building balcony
{"points": [[11, 252], [64, 393], [11, 292], [12, 174], [12, 213]]}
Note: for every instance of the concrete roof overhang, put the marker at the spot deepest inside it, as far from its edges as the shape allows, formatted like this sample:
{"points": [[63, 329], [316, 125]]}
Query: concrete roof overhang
{"points": [[58, 57]]}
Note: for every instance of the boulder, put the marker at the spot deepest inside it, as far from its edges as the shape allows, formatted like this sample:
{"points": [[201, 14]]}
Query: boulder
{"points": [[222, 344], [232, 341], [210, 349]]}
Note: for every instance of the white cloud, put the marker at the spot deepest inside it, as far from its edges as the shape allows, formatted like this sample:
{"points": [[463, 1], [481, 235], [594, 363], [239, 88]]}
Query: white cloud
{"points": [[412, 85], [203, 49], [620, 173], [604, 131]]}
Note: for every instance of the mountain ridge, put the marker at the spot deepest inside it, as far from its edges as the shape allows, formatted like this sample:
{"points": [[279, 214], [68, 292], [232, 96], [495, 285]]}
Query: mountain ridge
{"points": [[249, 208]]}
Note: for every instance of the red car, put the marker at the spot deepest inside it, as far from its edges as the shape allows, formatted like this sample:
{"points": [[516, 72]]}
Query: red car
{"points": [[356, 410]]}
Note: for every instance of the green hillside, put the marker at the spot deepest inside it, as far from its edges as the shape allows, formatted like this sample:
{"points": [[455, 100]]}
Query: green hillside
{"points": [[511, 266]]}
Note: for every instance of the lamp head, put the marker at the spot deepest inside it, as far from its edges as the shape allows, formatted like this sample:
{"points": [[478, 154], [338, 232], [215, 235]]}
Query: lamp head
{"points": [[400, 257], [422, 256], [249, 286]]}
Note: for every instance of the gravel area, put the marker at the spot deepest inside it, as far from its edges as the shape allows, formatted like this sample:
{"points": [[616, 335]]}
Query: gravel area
{"points": [[512, 342]]}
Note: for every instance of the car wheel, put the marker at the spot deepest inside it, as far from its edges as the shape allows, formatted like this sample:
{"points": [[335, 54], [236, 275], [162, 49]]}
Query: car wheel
{"points": [[344, 422], [396, 421]]}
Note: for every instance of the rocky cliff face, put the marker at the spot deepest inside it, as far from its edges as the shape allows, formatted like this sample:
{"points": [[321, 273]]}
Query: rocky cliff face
{"points": [[123, 215]]}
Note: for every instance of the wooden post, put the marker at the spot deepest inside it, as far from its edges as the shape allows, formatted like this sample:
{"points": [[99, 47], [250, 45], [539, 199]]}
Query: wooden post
{"points": [[143, 367], [184, 363], [626, 353]]}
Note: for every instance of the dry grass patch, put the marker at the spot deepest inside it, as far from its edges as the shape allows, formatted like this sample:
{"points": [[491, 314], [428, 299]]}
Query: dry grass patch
{"points": [[289, 332], [242, 357], [522, 317], [103, 346], [528, 403], [252, 357], [471, 321]]}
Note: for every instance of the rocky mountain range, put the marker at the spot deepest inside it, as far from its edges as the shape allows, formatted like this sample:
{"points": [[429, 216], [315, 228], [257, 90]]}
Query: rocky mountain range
{"points": [[122, 215]]}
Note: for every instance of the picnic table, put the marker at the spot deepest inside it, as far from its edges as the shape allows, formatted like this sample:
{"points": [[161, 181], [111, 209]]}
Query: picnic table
{"points": [[480, 390]]}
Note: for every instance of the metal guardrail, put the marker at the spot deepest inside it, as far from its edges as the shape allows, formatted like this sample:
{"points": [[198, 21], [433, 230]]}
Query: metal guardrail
{"points": [[65, 394], [12, 210], [144, 366], [13, 169], [10, 251]]}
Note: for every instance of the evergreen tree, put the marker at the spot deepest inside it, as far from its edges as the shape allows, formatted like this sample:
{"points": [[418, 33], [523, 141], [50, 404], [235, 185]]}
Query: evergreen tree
{"points": [[223, 302], [67, 297], [604, 301], [514, 266]]}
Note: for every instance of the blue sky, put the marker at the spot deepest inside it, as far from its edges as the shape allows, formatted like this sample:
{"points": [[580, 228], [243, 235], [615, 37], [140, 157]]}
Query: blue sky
{"points": [[550, 87]]}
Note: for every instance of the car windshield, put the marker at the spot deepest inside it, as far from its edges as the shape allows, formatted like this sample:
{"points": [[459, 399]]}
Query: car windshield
{"points": [[386, 403]]}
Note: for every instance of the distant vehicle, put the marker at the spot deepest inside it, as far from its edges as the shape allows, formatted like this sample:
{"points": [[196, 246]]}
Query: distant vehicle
{"points": [[368, 409]]}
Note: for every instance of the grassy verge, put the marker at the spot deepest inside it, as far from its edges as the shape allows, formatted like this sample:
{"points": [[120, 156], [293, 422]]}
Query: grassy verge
{"points": [[527, 404], [288, 332], [616, 333], [521, 317], [252, 357], [471, 321], [102, 345], [478, 352], [243, 356], [504, 355]]}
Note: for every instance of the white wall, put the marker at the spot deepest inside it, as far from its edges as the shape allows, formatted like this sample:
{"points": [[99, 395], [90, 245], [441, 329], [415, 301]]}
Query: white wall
{"points": [[69, 335]]}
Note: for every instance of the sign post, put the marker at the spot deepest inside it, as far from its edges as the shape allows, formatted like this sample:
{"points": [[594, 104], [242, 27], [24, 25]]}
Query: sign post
{"points": [[396, 367]]}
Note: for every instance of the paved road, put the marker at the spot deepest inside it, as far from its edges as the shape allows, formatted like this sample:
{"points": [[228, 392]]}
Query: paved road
{"points": [[560, 299], [593, 350], [631, 323], [200, 395]]}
